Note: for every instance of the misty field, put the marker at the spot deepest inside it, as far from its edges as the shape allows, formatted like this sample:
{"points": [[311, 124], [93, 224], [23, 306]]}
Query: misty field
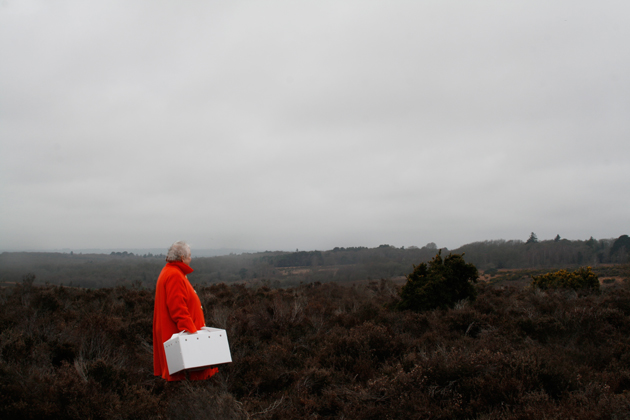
{"points": [[321, 351]]}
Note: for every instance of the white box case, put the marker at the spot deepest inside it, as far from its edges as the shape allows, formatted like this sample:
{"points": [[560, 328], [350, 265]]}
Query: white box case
{"points": [[206, 348]]}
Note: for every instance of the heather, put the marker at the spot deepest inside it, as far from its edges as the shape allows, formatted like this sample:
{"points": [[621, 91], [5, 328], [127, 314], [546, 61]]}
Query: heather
{"points": [[321, 351]]}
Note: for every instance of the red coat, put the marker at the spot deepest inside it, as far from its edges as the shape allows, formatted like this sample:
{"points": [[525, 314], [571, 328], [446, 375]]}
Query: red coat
{"points": [[177, 308]]}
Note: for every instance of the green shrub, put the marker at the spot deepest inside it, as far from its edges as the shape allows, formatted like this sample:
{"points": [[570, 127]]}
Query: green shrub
{"points": [[581, 279], [439, 284]]}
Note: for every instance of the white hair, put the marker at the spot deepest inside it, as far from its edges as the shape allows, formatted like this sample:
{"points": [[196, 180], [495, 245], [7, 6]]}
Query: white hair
{"points": [[178, 251]]}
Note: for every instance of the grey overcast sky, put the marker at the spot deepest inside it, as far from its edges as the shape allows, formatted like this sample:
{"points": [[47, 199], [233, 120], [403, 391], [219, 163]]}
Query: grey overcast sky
{"points": [[312, 124]]}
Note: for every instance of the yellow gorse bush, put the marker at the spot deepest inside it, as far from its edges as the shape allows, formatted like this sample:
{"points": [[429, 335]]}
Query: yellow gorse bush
{"points": [[582, 278]]}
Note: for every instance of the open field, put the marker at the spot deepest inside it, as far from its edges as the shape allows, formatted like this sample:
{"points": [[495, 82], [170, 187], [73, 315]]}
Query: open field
{"points": [[321, 350]]}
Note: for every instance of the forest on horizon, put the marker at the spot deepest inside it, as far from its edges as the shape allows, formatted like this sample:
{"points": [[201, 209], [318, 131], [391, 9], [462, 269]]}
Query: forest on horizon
{"points": [[343, 265]]}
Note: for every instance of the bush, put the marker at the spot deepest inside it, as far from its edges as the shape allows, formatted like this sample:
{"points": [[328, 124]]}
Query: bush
{"points": [[581, 279], [439, 284]]}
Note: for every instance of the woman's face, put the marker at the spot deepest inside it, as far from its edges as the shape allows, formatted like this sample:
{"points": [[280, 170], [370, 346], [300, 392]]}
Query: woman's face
{"points": [[186, 260]]}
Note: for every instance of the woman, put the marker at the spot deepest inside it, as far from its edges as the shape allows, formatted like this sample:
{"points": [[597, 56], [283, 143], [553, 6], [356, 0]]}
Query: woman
{"points": [[177, 308]]}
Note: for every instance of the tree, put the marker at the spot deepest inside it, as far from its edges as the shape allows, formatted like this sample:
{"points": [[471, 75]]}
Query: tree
{"points": [[532, 239], [557, 238], [439, 284], [622, 242]]}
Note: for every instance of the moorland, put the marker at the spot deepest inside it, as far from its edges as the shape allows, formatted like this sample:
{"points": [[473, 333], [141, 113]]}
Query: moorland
{"points": [[337, 348]]}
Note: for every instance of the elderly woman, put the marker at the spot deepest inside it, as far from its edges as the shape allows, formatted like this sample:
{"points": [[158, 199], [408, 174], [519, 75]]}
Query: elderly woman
{"points": [[177, 308]]}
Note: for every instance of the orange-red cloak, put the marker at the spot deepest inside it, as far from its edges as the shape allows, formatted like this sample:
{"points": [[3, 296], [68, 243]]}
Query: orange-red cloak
{"points": [[177, 308]]}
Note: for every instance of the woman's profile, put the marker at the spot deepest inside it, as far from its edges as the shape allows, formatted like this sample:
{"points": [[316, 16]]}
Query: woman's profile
{"points": [[177, 308]]}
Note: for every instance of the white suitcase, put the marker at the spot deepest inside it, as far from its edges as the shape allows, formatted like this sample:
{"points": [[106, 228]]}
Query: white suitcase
{"points": [[208, 347]]}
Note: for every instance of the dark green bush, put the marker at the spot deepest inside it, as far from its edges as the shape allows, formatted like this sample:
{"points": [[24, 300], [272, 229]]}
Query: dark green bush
{"points": [[439, 284]]}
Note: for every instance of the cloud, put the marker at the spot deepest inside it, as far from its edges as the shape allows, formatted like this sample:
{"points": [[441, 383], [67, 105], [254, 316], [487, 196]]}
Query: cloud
{"points": [[312, 124]]}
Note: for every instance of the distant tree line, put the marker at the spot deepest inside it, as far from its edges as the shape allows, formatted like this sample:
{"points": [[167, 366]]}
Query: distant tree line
{"points": [[533, 253], [292, 268]]}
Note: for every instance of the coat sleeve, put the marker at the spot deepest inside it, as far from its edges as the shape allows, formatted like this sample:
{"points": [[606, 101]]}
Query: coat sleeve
{"points": [[177, 304]]}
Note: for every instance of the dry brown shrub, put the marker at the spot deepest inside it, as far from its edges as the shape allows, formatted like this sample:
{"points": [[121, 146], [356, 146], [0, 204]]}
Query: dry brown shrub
{"points": [[320, 351]]}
